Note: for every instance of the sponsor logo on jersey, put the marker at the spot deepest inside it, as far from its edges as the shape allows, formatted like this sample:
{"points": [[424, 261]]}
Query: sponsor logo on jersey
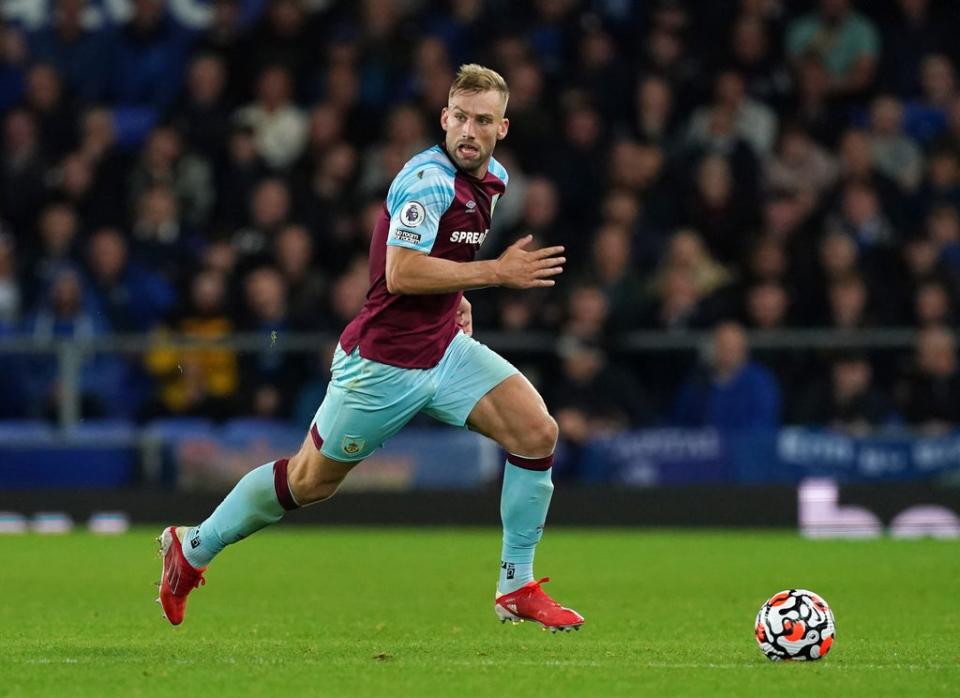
{"points": [[406, 236], [412, 214], [469, 237]]}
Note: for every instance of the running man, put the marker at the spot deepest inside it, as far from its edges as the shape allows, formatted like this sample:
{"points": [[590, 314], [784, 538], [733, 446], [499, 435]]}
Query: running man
{"points": [[410, 350]]}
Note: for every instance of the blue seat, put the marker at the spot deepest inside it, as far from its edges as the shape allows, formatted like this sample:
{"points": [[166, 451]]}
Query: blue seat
{"points": [[111, 431], [281, 433], [174, 429], [21, 430]]}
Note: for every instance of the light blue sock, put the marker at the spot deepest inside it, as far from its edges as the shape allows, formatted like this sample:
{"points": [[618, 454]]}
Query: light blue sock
{"points": [[524, 502], [253, 503]]}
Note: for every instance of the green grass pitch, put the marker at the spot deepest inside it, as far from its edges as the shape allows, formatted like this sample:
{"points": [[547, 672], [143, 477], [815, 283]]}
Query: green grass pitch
{"points": [[349, 612]]}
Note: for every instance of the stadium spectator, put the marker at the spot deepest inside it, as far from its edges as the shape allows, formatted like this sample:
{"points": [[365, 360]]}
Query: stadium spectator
{"points": [[52, 109], [613, 271], [56, 246], [146, 58], [938, 83], [848, 303], [66, 312], [406, 134], [202, 113], [326, 192], [730, 392], [654, 117], [576, 163], [688, 285], [895, 154], [293, 255], [857, 165], [281, 39], [197, 382], [811, 106], [941, 183], [541, 217], [846, 41], [860, 215], [753, 55], [588, 315], [601, 75], [279, 126], [161, 240], [22, 169], [532, 124], [592, 397], [73, 181], [133, 298], [110, 166], [767, 305], [930, 392], [910, 34], [800, 164], [933, 305], [752, 120], [949, 136], [165, 162], [848, 401], [80, 54], [223, 38], [721, 208], [269, 377], [269, 210]]}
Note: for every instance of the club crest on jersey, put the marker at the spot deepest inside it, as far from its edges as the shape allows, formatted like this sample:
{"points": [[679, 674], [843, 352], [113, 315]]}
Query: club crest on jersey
{"points": [[469, 237], [412, 214], [351, 445]]}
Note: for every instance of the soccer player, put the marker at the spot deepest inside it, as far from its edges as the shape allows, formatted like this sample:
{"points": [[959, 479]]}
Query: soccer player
{"points": [[410, 350]]}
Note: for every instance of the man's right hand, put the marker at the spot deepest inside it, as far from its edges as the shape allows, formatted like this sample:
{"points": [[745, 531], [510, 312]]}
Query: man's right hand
{"points": [[519, 267]]}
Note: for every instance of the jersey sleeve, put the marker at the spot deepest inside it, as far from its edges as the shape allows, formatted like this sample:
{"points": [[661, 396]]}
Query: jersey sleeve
{"points": [[416, 201]]}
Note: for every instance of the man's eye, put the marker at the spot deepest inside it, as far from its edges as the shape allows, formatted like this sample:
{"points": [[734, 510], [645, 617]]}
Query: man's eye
{"points": [[461, 117]]}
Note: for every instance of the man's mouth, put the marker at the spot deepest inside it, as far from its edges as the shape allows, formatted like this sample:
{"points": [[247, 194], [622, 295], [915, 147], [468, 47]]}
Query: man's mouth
{"points": [[468, 150]]}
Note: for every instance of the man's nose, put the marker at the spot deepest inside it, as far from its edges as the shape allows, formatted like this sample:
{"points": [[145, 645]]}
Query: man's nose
{"points": [[468, 128]]}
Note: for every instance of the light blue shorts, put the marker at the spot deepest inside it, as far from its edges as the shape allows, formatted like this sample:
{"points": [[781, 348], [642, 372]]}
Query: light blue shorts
{"points": [[367, 402]]}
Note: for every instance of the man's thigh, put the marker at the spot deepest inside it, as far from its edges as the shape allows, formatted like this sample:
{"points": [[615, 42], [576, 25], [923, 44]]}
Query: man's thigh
{"points": [[468, 371], [366, 403]]}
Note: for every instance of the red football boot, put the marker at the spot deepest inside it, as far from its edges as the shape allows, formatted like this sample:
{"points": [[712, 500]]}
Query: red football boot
{"points": [[179, 576], [530, 602]]}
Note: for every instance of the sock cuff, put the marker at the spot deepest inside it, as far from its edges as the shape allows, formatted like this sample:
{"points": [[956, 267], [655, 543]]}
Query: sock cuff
{"points": [[544, 463], [282, 487]]}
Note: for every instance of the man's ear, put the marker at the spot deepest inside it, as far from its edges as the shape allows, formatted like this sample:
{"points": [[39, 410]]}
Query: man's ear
{"points": [[503, 128], [444, 115]]}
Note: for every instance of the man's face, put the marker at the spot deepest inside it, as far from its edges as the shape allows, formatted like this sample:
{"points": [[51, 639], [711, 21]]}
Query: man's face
{"points": [[474, 122]]}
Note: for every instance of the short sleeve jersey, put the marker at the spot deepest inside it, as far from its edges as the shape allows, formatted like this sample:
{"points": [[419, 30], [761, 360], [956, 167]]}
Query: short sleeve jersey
{"points": [[435, 208]]}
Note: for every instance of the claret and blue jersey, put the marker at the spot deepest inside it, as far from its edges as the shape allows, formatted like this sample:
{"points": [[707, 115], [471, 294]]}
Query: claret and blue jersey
{"points": [[437, 209]]}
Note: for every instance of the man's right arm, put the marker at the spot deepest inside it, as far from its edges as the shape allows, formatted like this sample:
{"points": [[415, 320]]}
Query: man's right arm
{"points": [[410, 272]]}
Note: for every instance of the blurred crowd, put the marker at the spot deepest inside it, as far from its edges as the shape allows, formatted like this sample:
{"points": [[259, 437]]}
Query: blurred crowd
{"points": [[721, 165]]}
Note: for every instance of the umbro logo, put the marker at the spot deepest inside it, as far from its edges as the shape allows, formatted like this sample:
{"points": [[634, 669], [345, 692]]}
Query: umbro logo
{"points": [[471, 206]]}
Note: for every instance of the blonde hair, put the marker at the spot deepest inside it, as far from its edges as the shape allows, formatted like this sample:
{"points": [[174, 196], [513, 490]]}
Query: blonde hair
{"points": [[472, 78]]}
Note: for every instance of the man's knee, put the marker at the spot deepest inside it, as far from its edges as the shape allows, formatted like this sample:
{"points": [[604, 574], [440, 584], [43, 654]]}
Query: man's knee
{"points": [[311, 477], [540, 437]]}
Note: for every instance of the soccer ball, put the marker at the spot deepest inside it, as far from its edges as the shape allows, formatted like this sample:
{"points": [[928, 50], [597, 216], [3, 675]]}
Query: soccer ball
{"points": [[795, 624]]}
